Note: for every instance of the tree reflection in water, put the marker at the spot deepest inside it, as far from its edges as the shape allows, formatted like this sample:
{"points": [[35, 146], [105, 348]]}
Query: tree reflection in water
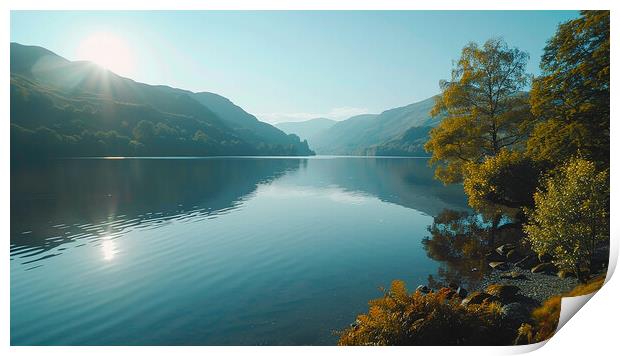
{"points": [[459, 240]]}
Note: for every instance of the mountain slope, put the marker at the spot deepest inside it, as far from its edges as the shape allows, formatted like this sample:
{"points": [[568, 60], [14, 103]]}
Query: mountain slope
{"points": [[386, 132], [343, 137], [409, 143], [60, 107], [308, 129], [246, 125]]}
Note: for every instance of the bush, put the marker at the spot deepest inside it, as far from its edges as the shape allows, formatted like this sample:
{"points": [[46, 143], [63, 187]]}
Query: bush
{"points": [[503, 184], [571, 216], [436, 318]]}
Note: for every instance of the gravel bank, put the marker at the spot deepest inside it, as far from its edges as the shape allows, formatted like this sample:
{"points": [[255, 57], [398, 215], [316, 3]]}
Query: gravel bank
{"points": [[536, 286]]}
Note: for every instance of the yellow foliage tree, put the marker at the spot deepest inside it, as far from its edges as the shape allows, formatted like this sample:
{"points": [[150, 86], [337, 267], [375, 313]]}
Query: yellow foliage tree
{"points": [[571, 98], [502, 184], [485, 108]]}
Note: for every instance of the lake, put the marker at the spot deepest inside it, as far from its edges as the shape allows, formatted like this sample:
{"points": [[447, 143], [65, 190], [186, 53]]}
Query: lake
{"points": [[213, 251]]}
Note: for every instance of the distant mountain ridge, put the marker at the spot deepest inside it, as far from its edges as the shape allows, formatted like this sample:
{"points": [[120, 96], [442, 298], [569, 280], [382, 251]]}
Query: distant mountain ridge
{"points": [[307, 129], [396, 132], [75, 108]]}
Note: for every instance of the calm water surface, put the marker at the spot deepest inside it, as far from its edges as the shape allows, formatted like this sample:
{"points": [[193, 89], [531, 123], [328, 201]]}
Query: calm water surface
{"points": [[219, 251]]}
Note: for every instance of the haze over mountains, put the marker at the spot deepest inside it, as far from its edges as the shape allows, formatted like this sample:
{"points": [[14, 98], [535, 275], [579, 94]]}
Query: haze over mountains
{"points": [[76, 108], [396, 132], [308, 129]]}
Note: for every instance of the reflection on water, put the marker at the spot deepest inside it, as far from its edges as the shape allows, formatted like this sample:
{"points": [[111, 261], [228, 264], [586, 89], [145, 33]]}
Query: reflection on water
{"points": [[213, 251]]}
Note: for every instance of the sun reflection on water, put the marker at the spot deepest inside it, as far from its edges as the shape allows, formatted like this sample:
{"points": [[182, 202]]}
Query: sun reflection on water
{"points": [[109, 248]]}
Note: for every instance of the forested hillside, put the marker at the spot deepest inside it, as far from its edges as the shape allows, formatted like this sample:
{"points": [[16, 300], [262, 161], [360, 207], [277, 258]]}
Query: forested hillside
{"points": [[62, 108]]}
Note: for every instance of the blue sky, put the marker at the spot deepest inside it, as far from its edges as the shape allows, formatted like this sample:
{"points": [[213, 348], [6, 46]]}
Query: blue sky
{"points": [[286, 65]]}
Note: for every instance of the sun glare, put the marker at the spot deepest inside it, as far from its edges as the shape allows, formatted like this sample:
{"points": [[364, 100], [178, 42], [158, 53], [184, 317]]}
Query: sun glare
{"points": [[109, 51], [108, 248]]}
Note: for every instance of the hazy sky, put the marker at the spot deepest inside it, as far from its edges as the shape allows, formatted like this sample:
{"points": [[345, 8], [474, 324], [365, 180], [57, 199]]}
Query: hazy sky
{"points": [[283, 65]]}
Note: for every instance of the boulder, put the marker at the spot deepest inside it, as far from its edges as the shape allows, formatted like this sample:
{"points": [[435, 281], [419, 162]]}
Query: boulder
{"points": [[497, 265], [545, 267], [423, 289], [544, 257], [515, 313], [526, 262], [495, 256], [505, 248], [513, 255], [477, 298], [503, 293]]}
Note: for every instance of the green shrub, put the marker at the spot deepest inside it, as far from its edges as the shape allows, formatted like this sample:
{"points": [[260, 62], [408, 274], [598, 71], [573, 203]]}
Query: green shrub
{"points": [[571, 215]]}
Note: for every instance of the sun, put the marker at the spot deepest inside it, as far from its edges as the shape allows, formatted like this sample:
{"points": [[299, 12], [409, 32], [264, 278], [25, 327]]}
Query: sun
{"points": [[109, 51]]}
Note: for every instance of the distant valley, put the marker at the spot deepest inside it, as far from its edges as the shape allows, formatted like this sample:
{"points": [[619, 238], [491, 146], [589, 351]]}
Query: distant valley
{"points": [[396, 132]]}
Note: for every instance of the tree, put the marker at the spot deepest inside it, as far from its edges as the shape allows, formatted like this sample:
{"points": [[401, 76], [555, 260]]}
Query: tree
{"points": [[459, 241], [144, 132], [503, 184], [571, 215], [485, 108], [571, 98]]}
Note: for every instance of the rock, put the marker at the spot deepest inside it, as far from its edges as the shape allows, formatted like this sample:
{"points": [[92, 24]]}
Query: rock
{"points": [[477, 298], [526, 262], [544, 257], [513, 255], [565, 274], [514, 312], [462, 292], [512, 275], [546, 267], [497, 265], [503, 293], [423, 289], [505, 248], [494, 256]]}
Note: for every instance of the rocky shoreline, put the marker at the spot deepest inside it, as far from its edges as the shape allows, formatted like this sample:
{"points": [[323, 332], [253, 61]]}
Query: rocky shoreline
{"points": [[537, 286], [518, 280]]}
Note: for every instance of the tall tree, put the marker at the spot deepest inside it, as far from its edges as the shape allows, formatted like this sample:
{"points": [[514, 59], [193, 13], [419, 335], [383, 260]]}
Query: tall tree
{"points": [[571, 97], [485, 108]]}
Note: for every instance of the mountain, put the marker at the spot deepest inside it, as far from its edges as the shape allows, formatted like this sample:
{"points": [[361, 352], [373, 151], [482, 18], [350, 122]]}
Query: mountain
{"points": [[399, 131], [409, 143], [246, 125], [344, 136], [76, 108], [308, 129]]}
